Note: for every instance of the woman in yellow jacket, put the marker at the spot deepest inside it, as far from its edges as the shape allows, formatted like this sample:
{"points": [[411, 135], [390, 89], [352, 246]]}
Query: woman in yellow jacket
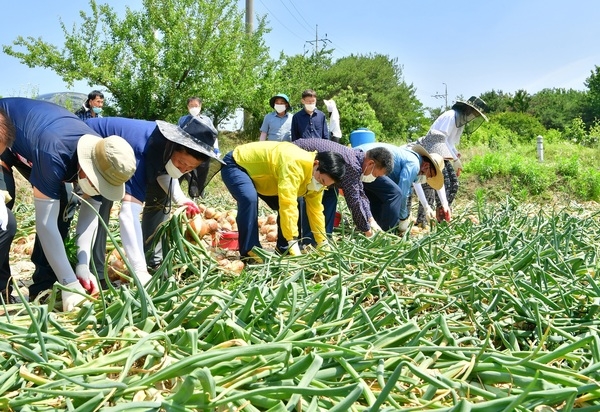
{"points": [[279, 173]]}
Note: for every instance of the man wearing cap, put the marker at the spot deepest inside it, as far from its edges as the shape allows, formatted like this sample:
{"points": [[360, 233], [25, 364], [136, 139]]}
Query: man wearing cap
{"points": [[164, 152], [53, 146], [388, 195], [452, 123], [277, 125]]}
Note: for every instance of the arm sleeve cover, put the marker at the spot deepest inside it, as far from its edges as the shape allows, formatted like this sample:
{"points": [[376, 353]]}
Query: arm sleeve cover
{"points": [[131, 235], [176, 193], [87, 225], [46, 216]]}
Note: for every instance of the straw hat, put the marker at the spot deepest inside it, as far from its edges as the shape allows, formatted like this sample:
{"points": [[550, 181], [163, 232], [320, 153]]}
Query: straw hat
{"points": [[475, 103], [436, 181], [108, 163], [435, 142]]}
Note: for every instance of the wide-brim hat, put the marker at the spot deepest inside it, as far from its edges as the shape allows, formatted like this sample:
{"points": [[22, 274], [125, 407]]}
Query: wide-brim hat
{"points": [[107, 162], [283, 96], [435, 142], [475, 103], [198, 134], [436, 181]]}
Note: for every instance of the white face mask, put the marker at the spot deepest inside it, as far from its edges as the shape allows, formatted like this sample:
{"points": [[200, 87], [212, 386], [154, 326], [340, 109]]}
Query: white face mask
{"points": [[421, 179], [368, 178], [314, 185], [310, 107], [87, 187], [174, 172], [194, 111], [279, 108]]}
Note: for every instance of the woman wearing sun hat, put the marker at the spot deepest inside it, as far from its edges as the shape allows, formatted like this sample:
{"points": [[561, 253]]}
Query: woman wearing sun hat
{"points": [[433, 142], [164, 152], [277, 125], [53, 146], [452, 123]]}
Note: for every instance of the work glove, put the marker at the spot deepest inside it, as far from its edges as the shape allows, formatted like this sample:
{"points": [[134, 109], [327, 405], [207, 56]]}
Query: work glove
{"points": [[430, 214], [144, 277], [72, 299], [87, 279], [191, 209], [294, 248], [443, 214], [458, 167], [403, 226], [324, 245], [374, 226]]}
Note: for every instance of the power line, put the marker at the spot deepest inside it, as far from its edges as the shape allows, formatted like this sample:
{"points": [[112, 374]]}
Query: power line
{"points": [[280, 22], [308, 26]]}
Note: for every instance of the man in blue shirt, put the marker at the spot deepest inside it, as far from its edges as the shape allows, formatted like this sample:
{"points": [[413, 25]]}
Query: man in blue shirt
{"points": [[53, 146], [309, 122], [388, 195], [163, 152]]}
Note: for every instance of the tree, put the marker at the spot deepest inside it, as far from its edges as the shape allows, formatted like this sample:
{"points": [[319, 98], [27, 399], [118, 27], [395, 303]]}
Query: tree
{"points": [[380, 78], [556, 108], [153, 59], [520, 101], [497, 101], [592, 109], [356, 112]]}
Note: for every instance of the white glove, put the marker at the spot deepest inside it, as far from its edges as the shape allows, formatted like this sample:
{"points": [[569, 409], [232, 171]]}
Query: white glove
{"points": [[3, 212], [293, 248], [72, 299], [458, 166], [403, 226], [374, 226], [144, 277], [87, 279], [430, 214]]}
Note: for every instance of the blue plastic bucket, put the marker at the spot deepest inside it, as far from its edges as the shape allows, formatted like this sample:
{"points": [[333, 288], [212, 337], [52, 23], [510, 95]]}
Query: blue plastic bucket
{"points": [[360, 136]]}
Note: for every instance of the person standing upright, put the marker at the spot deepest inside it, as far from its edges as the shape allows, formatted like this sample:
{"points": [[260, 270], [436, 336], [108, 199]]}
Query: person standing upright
{"points": [[92, 107], [309, 122], [277, 125]]}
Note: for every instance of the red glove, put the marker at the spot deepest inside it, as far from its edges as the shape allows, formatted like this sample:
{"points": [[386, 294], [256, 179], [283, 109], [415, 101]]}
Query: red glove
{"points": [[192, 208]]}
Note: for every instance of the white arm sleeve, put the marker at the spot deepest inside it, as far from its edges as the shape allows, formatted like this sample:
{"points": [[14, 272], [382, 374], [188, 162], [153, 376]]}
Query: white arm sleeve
{"points": [[131, 235], [442, 195], [420, 194], [176, 193], [46, 216], [87, 225]]}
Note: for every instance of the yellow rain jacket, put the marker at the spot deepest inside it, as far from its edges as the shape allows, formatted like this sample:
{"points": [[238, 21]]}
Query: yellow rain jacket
{"points": [[283, 169]]}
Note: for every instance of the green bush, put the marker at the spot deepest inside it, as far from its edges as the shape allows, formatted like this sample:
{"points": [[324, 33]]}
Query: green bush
{"points": [[356, 112], [529, 174], [525, 127]]}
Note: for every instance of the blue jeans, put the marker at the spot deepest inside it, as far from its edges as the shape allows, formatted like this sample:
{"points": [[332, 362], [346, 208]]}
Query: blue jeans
{"points": [[385, 198]]}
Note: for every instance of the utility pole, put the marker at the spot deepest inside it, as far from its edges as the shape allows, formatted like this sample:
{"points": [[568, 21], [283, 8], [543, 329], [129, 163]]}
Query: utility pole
{"points": [[249, 30], [317, 40], [445, 96]]}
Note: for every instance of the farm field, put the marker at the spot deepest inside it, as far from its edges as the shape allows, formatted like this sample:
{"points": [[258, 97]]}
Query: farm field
{"points": [[496, 311]]}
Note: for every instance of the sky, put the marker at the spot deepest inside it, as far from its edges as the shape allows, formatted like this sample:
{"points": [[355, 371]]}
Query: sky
{"points": [[446, 49]]}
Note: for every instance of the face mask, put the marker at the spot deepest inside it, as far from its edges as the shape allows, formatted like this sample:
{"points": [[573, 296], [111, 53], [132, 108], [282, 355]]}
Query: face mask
{"points": [[194, 111], [368, 178], [87, 187], [310, 107], [421, 179], [174, 172], [279, 108], [314, 185], [97, 110]]}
